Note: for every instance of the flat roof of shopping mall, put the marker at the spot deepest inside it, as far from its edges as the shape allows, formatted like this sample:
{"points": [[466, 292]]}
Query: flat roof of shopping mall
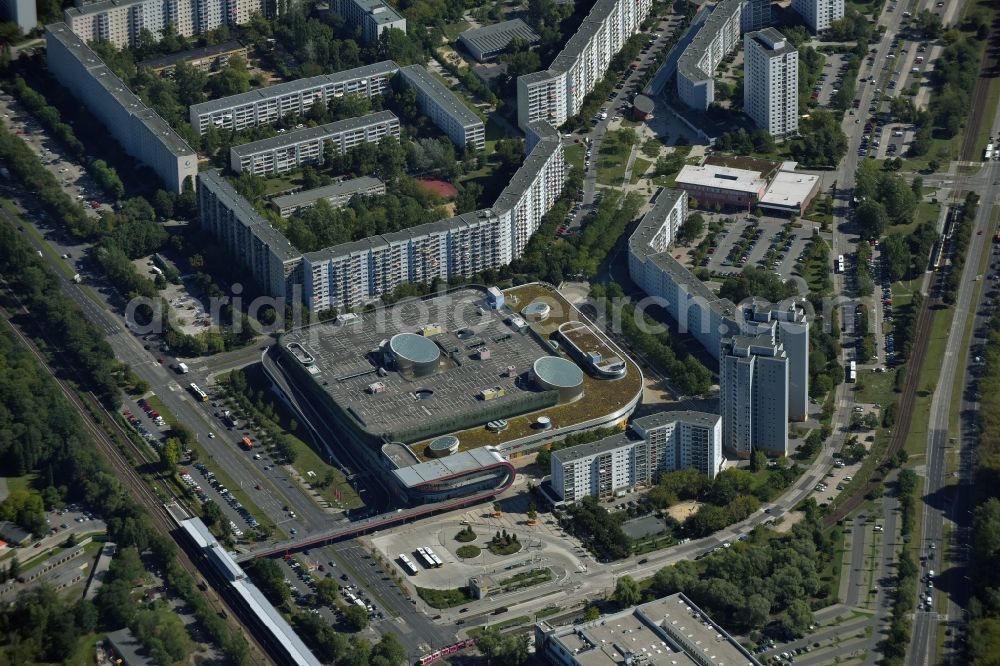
{"points": [[345, 365]]}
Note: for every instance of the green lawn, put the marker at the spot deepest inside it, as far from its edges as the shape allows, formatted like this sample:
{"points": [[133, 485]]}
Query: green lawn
{"points": [[19, 482], [820, 210], [445, 598], [875, 387], [452, 30], [986, 125], [916, 439], [575, 154], [639, 167]]}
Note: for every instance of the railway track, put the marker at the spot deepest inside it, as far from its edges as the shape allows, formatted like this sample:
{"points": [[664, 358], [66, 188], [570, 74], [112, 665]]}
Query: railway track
{"points": [[907, 405], [980, 93], [127, 473]]}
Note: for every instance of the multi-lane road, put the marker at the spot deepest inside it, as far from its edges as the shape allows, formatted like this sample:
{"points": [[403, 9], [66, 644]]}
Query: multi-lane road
{"points": [[941, 504]]}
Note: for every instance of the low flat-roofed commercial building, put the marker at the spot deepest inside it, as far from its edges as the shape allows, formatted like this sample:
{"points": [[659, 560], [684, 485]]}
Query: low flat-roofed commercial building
{"points": [[336, 194], [790, 192], [445, 109], [671, 631], [288, 151], [728, 187], [210, 59], [138, 129], [259, 107], [716, 38], [374, 17], [491, 41]]}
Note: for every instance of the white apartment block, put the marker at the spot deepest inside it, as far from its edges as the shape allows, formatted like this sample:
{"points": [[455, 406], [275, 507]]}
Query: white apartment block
{"points": [[718, 36], [259, 107], [689, 301], [785, 324], [819, 14], [21, 12], [445, 109], [274, 263], [753, 395], [140, 131], [755, 15], [353, 274], [662, 442], [557, 93], [374, 17], [771, 84], [291, 150], [121, 21]]}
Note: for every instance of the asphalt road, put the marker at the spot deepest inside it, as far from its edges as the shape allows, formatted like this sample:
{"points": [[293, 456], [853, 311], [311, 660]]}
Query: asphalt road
{"points": [[937, 501]]}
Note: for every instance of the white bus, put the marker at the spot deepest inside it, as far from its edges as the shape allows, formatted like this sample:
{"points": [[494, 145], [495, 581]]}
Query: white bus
{"points": [[432, 556], [425, 558], [852, 371], [840, 264], [408, 565]]}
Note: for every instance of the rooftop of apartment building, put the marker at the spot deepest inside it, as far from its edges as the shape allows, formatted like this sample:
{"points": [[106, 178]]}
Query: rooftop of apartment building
{"points": [[575, 45], [318, 132], [526, 174], [688, 62], [772, 41], [443, 335], [659, 419], [591, 449], [231, 46], [443, 97], [381, 12], [383, 68], [245, 211], [498, 35], [107, 79], [83, 9], [441, 226], [340, 188], [752, 345], [671, 631]]}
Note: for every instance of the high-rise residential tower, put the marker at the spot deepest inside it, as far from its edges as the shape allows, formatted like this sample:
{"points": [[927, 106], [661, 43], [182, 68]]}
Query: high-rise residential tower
{"points": [[771, 85]]}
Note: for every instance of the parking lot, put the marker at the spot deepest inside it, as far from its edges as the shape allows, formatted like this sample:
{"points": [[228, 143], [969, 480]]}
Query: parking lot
{"points": [[74, 179], [830, 79], [771, 244]]}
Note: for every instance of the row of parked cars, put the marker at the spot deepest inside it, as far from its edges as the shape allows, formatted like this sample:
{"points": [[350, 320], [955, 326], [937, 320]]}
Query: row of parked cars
{"points": [[226, 495]]}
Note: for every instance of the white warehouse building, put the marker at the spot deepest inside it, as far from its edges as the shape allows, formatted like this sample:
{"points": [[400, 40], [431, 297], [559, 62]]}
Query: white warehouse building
{"points": [[138, 129]]}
